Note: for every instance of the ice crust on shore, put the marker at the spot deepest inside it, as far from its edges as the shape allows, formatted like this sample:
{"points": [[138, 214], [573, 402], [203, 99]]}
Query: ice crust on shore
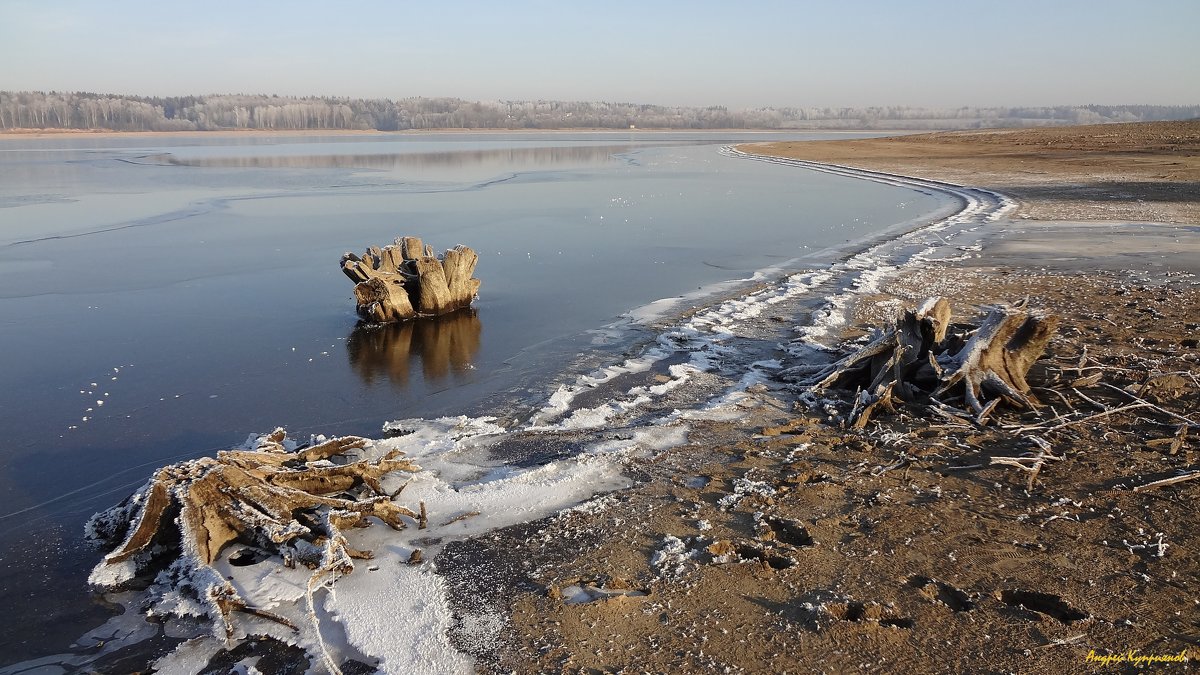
{"points": [[468, 492], [706, 334], [361, 615]]}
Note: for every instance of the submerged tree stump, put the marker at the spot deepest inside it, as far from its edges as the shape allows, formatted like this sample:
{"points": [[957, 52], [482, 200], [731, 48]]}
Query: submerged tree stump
{"points": [[922, 358], [405, 280]]}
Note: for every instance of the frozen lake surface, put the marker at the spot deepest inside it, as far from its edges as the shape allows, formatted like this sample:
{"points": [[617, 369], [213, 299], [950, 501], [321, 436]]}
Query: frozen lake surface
{"points": [[163, 298]]}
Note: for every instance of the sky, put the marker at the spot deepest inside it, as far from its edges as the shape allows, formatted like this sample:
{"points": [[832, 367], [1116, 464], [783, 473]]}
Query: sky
{"points": [[742, 54]]}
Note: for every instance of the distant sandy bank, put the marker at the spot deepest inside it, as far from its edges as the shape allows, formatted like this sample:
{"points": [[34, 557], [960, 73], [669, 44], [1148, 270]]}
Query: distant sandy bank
{"points": [[1139, 171]]}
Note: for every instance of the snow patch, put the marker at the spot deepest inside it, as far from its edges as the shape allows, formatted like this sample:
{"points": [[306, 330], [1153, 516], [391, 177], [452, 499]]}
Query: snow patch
{"points": [[673, 557]]}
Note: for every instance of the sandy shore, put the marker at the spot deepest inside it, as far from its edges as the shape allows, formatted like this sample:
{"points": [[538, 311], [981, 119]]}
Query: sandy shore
{"points": [[777, 542], [1144, 171]]}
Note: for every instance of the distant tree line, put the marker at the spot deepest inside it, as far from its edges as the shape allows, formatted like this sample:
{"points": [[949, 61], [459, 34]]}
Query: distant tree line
{"points": [[91, 111]]}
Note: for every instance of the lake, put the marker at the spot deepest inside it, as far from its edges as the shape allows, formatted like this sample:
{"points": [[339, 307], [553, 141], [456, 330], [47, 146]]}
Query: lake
{"points": [[164, 297]]}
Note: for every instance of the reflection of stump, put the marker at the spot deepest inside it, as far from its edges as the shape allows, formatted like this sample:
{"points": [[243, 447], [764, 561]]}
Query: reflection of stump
{"points": [[404, 280], [442, 344]]}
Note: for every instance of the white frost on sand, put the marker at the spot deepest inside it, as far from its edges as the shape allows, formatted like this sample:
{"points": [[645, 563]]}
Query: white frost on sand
{"points": [[392, 599], [742, 488], [672, 558], [393, 615], [703, 337], [377, 610]]}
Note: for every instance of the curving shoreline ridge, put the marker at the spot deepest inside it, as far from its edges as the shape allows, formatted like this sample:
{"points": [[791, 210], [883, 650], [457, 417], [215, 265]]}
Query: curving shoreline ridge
{"points": [[1145, 171], [978, 202]]}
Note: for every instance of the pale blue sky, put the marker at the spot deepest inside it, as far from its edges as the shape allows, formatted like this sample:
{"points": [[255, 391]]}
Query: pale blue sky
{"points": [[737, 54]]}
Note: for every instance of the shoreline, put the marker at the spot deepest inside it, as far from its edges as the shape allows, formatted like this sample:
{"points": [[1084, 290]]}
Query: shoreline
{"points": [[664, 370], [628, 578]]}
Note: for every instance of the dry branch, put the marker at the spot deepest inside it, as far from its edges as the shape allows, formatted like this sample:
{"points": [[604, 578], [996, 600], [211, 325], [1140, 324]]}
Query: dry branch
{"points": [[1156, 408], [1032, 464], [1168, 481], [1081, 420]]}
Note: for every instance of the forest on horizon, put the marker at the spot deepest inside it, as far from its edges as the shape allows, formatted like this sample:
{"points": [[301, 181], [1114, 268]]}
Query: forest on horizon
{"points": [[87, 111]]}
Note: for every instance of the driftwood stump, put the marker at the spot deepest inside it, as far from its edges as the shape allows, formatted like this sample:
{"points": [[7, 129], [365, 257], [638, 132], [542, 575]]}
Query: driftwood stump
{"points": [[405, 280], [295, 504], [921, 357]]}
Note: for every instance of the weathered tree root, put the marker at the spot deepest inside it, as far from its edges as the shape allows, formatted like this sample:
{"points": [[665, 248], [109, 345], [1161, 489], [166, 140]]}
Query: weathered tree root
{"points": [[998, 356], [405, 280], [922, 358], [292, 504]]}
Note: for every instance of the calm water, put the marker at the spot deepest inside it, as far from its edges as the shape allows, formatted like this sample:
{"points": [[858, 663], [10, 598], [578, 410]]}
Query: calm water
{"points": [[164, 298]]}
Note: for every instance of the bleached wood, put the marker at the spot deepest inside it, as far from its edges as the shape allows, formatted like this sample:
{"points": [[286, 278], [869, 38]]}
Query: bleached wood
{"points": [[1168, 481], [434, 294], [405, 280], [998, 356], [459, 264], [412, 247]]}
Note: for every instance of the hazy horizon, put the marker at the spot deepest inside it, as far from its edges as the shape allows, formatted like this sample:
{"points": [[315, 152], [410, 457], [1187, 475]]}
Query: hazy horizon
{"points": [[508, 99], [761, 54]]}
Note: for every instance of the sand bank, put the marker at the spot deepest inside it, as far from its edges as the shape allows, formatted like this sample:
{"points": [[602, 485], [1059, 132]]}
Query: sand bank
{"points": [[1146, 171]]}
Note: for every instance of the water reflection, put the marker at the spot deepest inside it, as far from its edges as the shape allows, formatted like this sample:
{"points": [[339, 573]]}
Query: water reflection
{"points": [[438, 346], [582, 156]]}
